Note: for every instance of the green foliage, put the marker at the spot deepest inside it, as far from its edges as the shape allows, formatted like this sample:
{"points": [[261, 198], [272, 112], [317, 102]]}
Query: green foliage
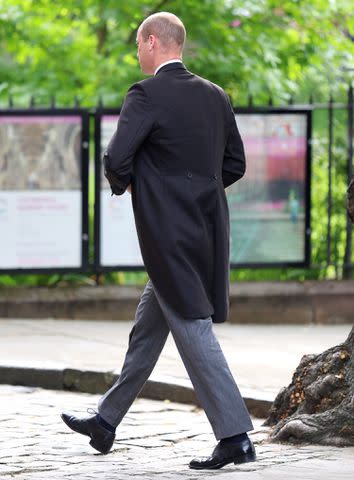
{"points": [[45, 280], [86, 48]]}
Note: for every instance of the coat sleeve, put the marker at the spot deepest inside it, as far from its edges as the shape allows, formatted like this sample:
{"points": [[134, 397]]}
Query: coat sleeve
{"points": [[134, 125], [234, 162]]}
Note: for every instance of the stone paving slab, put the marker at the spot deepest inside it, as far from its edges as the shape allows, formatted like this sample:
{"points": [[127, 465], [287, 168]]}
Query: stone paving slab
{"points": [[155, 440]]}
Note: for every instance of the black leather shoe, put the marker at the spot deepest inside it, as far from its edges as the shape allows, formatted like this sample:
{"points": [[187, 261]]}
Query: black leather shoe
{"points": [[223, 454], [101, 438]]}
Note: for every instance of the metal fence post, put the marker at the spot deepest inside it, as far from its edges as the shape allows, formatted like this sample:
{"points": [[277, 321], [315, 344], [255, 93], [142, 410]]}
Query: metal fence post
{"points": [[347, 267], [330, 163]]}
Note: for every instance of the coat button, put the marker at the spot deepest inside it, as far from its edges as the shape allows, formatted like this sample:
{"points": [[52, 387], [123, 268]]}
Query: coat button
{"points": [[215, 176], [189, 174]]}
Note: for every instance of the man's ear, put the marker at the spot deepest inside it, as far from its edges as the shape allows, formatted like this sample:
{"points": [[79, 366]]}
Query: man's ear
{"points": [[152, 41]]}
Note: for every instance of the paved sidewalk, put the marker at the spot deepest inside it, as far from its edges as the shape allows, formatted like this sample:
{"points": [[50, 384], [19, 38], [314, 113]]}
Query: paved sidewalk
{"points": [[262, 358], [155, 440]]}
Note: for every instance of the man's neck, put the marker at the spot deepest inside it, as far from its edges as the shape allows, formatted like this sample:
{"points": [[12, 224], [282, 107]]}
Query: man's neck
{"points": [[165, 62]]}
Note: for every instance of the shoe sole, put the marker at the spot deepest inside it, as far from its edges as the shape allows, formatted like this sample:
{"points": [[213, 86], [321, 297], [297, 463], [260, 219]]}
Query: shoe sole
{"points": [[249, 457]]}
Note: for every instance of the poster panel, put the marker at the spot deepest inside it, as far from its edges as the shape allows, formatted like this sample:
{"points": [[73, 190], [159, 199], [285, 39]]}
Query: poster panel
{"points": [[268, 206], [118, 243], [41, 210]]}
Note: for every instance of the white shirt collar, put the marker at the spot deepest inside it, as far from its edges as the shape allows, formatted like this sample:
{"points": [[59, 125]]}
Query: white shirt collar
{"points": [[168, 61]]}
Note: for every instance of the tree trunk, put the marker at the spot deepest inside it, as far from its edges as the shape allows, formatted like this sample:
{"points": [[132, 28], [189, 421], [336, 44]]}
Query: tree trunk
{"points": [[318, 405]]}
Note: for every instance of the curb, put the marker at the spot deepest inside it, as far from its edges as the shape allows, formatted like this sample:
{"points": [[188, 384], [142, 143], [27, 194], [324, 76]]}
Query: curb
{"points": [[252, 302], [98, 382]]}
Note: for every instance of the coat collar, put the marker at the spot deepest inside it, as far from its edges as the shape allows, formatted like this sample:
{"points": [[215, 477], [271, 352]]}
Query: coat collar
{"points": [[171, 66]]}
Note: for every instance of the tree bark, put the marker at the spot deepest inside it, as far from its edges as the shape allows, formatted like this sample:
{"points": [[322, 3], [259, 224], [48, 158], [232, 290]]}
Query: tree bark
{"points": [[318, 405]]}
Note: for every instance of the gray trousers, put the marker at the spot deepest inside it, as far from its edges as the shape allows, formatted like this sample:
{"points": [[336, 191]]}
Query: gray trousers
{"points": [[213, 383]]}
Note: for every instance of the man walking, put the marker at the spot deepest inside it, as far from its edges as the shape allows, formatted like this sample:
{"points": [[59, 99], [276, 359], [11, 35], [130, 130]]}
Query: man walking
{"points": [[176, 148]]}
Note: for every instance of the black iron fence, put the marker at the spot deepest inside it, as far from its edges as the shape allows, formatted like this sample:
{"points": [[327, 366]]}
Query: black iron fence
{"points": [[327, 230]]}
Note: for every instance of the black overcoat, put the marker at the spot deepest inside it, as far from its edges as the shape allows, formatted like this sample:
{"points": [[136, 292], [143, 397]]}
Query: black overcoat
{"points": [[178, 144]]}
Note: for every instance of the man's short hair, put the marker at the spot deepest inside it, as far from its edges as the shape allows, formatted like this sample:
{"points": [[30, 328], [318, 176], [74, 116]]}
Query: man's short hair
{"points": [[167, 27]]}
